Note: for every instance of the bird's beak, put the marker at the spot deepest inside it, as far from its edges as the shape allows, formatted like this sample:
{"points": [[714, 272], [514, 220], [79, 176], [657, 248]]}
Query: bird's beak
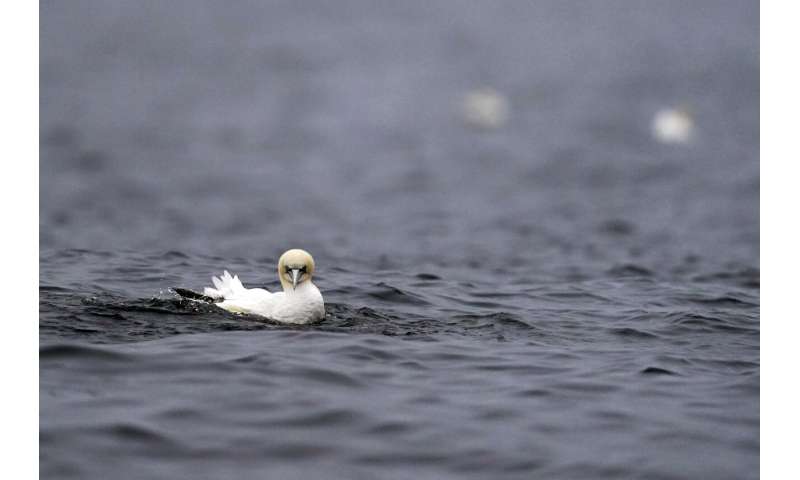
{"points": [[295, 275]]}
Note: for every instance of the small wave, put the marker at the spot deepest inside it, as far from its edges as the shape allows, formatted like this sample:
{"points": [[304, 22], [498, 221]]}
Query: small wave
{"points": [[137, 432], [656, 371], [53, 288], [173, 255], [325, 418], [721, 301], [390, 428], [472, 303], [497, 320], [392, 294], [68, 351], [630, 270], [589, 387], [428, 276], [745, 277], [707, 323], [327, 376], [361, 352], [533, 392], [617, 227], [403, 459], [629, 332], [293, 451]]}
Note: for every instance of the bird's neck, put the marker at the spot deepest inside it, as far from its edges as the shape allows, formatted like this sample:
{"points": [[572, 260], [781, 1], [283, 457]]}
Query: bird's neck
{"points": [[301, 288]]}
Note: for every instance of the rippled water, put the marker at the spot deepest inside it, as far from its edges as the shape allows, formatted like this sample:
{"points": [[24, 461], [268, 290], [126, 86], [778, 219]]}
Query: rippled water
{"points": [[562, 297]]}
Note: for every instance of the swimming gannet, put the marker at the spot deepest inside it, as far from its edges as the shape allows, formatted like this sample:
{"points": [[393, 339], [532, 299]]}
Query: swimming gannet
{"points": [[299, 302], [485, 108], [672, 125]]}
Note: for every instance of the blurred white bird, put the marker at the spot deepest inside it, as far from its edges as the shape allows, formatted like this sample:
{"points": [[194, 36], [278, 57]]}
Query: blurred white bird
{"points": [[672, 125], [485, 108]]}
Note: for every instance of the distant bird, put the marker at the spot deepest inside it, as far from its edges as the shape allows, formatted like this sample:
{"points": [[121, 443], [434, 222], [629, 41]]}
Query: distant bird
{"points": [[485, 108], [299, 302], [672, 125]]}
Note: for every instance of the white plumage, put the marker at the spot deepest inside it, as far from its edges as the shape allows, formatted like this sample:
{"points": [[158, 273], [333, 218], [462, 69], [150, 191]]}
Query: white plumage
{"points": [[300, 302], [672, 125]]}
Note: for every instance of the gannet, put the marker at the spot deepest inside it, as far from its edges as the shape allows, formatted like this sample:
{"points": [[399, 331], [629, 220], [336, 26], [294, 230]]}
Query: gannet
{"points": [[485, 108], [299, 302], [672, 125]]}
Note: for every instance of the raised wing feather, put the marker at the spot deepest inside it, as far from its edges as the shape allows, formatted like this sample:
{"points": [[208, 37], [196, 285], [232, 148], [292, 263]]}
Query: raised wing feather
{"points": [[229, 287]]}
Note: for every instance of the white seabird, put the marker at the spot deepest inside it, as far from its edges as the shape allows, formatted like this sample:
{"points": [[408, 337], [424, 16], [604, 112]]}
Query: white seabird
{"points": [[672, 125], [299, 302], [485, 108]]}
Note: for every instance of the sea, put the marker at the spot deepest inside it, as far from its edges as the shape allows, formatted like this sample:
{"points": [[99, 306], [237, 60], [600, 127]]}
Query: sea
{"points": [[550, 292]]}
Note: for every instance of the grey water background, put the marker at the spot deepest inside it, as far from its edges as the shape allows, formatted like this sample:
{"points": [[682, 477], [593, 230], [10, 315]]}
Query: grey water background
{"points": [[562, 297]]}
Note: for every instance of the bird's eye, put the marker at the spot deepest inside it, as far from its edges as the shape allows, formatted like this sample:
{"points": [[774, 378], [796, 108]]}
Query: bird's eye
{"points": [[303, 269], [288, 269]]}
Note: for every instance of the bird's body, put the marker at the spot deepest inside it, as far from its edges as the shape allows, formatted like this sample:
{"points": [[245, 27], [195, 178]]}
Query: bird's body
{"points": [[300, 301], [303, 304], [673, 126]]}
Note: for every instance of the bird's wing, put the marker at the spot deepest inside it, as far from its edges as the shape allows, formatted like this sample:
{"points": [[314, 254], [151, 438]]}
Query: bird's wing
{"points": [[230, 287], [226, 286], [254, 300], [236, 298]]}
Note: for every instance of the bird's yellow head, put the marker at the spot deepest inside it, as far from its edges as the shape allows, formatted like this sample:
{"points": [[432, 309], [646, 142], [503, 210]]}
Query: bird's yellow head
{"points": [[295, 267]]}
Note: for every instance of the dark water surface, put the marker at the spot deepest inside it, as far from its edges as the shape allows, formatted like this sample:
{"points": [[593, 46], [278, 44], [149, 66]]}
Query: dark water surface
{"points": [[562, 297]]}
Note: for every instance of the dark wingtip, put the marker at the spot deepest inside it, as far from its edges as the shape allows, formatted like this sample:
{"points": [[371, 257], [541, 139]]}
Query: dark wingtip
{"points": [[194, 295]]}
